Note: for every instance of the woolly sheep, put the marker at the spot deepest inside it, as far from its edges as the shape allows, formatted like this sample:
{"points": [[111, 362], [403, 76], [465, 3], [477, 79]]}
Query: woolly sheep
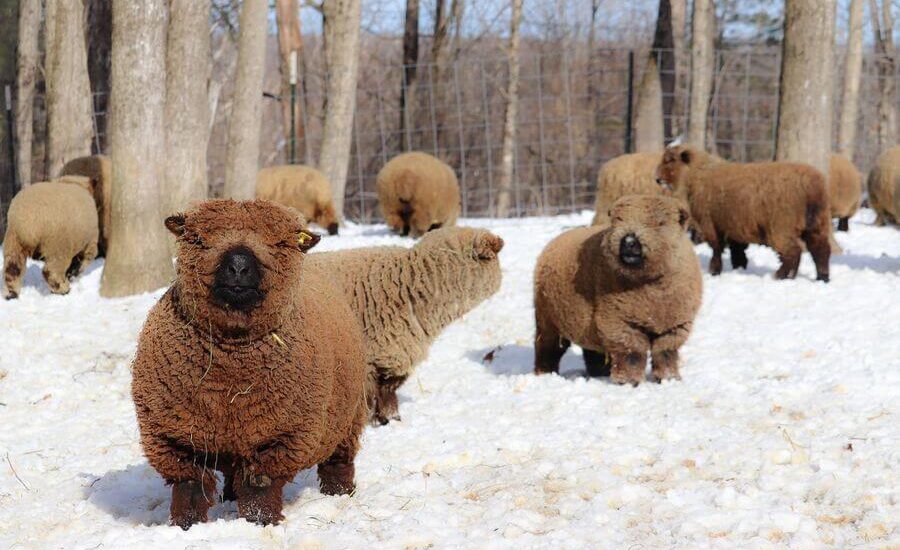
{"points": [[632, 174], [882, 183], [418, 193], [620, 291], [844, 190], [99, 169], [302, 188], [55, 221], [404, 298], [249, 364]]}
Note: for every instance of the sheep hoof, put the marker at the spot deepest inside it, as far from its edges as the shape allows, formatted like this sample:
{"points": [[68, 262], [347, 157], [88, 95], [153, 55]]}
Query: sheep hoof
{"points": [[336, 487], [189, 504], [11, 296], [658, 377]]}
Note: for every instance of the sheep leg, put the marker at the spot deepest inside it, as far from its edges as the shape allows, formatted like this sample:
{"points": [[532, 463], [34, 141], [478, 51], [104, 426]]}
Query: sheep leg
{"points": [[628, 367], [596, 363], [191, 500], [820, 249], [386, 406], [738, 255], [337, 472], [549, 347], [14, 258], [664, 353], [844, 224], [790, 260], [55, 269], [259, 498], [717, 243]]}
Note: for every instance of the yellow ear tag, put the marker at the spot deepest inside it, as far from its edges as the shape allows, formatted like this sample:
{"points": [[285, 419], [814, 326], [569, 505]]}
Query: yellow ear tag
{"points": [[307, 239], [304, 238]]}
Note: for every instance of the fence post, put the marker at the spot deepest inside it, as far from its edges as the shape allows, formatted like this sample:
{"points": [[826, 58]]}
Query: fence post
{"points": [[293, 82], [10, 137], [630, 103]]}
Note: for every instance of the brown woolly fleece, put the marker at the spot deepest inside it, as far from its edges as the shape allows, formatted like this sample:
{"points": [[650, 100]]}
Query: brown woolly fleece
{"points": [[55, 221], [258, 395], [633, 174], [404, 298], [418, 193], [585, 293], [883, 183], [302, 188], [779, 204], [844, 190], [99, 169]]}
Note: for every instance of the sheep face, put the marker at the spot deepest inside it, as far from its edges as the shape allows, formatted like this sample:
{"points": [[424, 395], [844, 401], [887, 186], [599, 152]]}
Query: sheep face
{"points": [[643, 233], [237, 264], [671, 171], [471, 255]]}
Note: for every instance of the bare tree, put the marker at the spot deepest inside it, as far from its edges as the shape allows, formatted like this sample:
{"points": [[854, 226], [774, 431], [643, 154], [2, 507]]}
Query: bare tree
{"points": [[242, 161], [703, 23], [664, 52], [70, 125], [9, 20], [883, 28], [649, 131], [410, 62], [342, 61], [852, 74], [27, 72], [507, 153], [187, 76], [290, 48], [441, 58], [805, 105], [137, 257], [98, 28]]}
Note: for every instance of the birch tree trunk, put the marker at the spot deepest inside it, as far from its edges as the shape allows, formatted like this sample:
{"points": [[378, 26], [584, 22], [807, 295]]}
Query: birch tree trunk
{"points": [[187, 77], [703, 22], [137, 256], [883, 28], [410, 61], [805, 104], [289, 40], [28, 57], [70, 125], [242, 157], [649, 131], [507, 154], [342, 19], [852, 74]]}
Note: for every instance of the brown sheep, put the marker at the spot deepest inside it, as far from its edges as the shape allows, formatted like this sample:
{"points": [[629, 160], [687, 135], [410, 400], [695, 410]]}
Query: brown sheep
{"points": [[633, 174], [249, 364], [99, 169], [844, 190], [619, 291], [779, 204], [883, 182], [55, 221], [405, 297], [302, 188], [418, 193]]}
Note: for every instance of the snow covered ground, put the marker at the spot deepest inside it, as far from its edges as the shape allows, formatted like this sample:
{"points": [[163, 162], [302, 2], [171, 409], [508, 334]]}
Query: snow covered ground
{"points": [[784, 433]]}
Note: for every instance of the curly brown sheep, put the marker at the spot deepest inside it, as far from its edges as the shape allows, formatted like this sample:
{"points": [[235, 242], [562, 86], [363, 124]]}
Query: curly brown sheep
{"points": [[302, 188], [633, 174], [418, 193], [99, 169], [884, 179], [844, 190]]}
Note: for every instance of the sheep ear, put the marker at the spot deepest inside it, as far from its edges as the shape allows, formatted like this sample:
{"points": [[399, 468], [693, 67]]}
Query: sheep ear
{"points": [[683, 218], [686, 157], [488, 246], [175, 224], [307, 239]]}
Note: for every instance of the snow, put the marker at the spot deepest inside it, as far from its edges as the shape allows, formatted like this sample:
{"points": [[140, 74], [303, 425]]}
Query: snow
{"points": [[782, 434]]}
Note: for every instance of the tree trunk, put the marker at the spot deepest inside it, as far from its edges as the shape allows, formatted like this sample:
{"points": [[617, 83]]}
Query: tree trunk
{"points": [[242, 159], [290, 40], [883, 29], [70, 124], [852, 73], [805, 105], [98, 14], [28, 61], [507, 154], [441, 90], [187, 76], [682, 61], [410, 61], [648, 117], [342, 60], [703, 22], [664, 52], [9, 20], [137, 256]]}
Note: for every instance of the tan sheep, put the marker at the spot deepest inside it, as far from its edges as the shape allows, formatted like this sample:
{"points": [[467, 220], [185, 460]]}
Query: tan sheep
{"points": [[302, 188], [405, 297], [418, 193], [779, 204], [884, 179], [844, 190], [55, 221], [619, 291], [633, 174], [99, 169]]}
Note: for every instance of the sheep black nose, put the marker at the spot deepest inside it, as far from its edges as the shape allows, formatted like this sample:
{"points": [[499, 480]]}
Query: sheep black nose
{"points": [[631, 253], [237, 279]]}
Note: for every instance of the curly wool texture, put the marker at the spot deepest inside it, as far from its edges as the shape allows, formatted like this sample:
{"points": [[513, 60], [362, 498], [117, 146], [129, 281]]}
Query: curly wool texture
{"points": [[302, 188], [883, 184], [417, 193], [99, 169], [583, 294], [403, 298], [56, 221], [270, 392], [844, 187], [633, 174]]}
